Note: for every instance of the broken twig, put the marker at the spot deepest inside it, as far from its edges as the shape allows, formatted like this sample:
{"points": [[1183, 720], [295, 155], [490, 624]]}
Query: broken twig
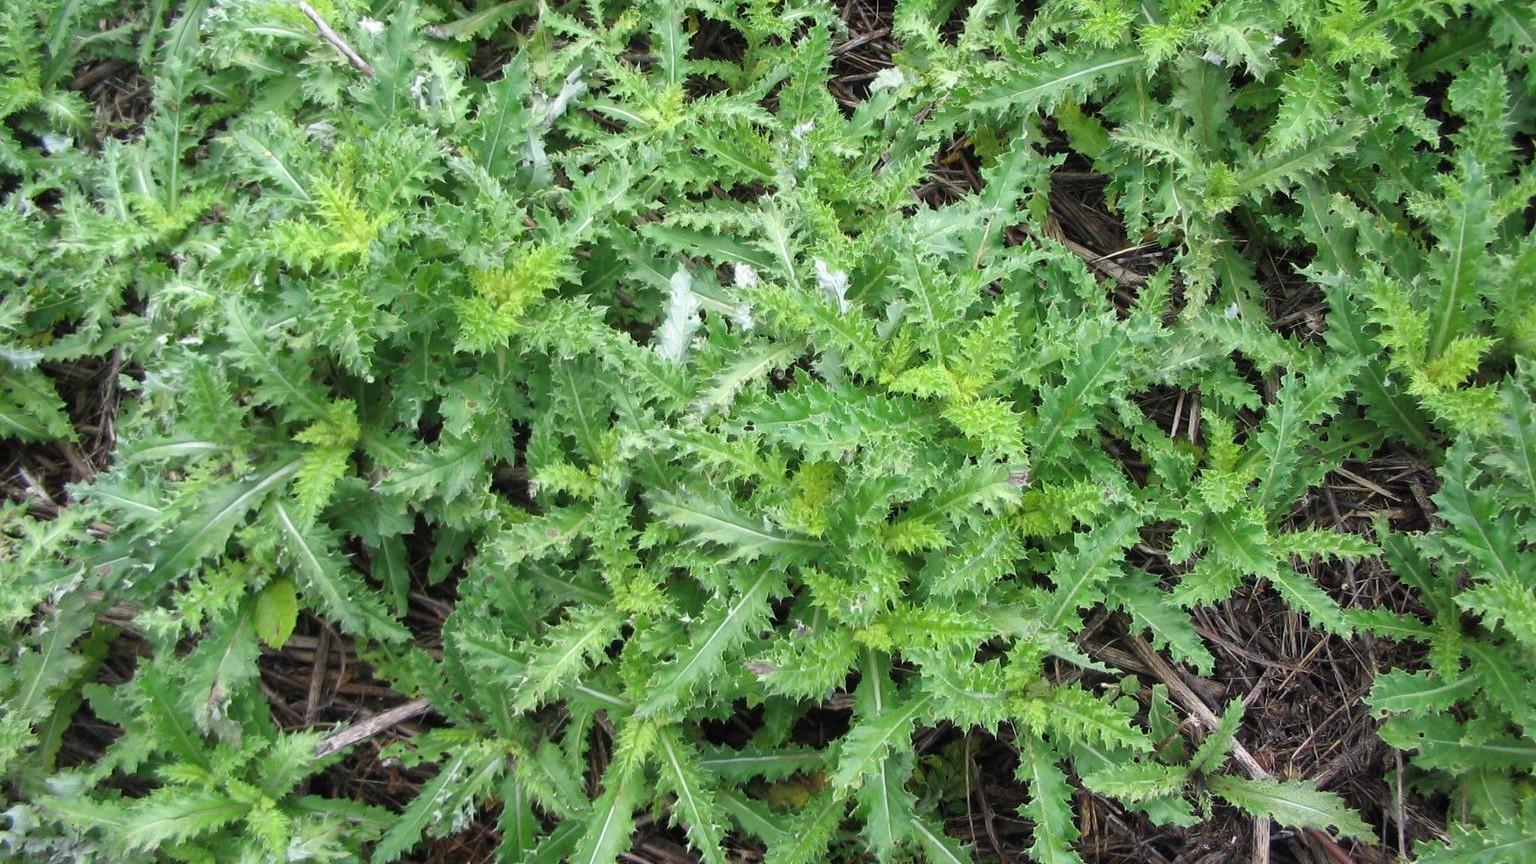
{"points": [[335, 39], [371, 727]]}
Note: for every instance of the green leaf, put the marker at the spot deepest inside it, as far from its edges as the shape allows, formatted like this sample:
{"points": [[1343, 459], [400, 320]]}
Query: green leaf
{"points": [[738, 765], [392, 65], [390, 567], [1136, 782], [806, 837], [502, 120], [469, 774], [939, 848], [867, 744], [446, 471], [1018, 172], [1066, 411], [466, 27], [162, 709], [223, 663], [566, 651], [720, 628], [1281, 171], [1309, 104], [1293, 804], [883, 798], [1285, 438], [341, 593], [671, 42], [1515, 454], [176, 815], [1484, 530], [1464, 233], [1503, 684], [1094, 560], [1417, 693], [206, 531], [272, 162], [753, 818], [826, 421], [1137, 594], [1074, 714], [694, 805], [719, 248], [1213, 751], [279, 381], [276, 612], [612, 820], [30, 408], [1504, 603], [715, 519], [1443, 743], [1050, 805], [722, 389], [1510, 841], [48, 663], [1044, 83], [1303, 594], [558, 846], [1349, 334], [518, 823]]}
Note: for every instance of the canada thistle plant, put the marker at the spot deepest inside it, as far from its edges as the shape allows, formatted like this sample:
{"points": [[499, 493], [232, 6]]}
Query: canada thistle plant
{"points": [[658, 358]]}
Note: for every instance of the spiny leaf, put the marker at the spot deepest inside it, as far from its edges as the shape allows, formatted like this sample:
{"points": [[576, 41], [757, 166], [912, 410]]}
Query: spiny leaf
{"points": [[340, 592], [1093, 561], [176, 815], [1416, 693], [722, 627], [280, 382], [806, 837], [1293, 804], [866, 746], [714, 519], [30, 408], [1042, 84], [443, 800], [1072, 713], [1065, 411], [1049, 806], [205, 532], [694, 805], [753, 818], [736, 765], [566, 651], [722, 389], [1213, 751], [939, 847], [1442, 743], [1136, 782], [1500, 842], [502, 119], [1281, 171], [1463, 236], [1137, 594], [1484, 534]]}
